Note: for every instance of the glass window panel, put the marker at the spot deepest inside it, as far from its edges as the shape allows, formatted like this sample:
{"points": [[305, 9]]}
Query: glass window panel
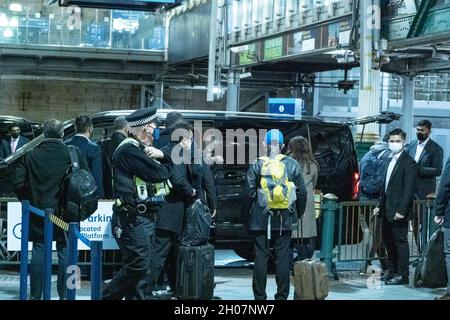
{"points": [[291, 7], [257, 12], [279, 8], [237, 13], [246, 14], [268, 10]]}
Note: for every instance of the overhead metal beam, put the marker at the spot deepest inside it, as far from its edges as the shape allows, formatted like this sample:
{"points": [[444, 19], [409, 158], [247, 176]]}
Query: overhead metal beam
{"points": [[420, 18]]}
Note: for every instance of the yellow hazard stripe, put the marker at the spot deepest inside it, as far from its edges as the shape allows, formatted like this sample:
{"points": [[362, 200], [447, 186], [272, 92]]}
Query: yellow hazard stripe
{"points": [[59, 222]]}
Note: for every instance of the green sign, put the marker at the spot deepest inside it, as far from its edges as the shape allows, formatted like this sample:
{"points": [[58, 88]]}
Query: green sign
{"points": [[248, 57], [273, 48]]}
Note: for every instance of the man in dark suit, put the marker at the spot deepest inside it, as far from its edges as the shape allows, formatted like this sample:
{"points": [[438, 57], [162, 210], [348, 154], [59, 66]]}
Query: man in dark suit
{"points": [[108, 147], [429, 158], [16, 140], [395, 207], [90, 151]]}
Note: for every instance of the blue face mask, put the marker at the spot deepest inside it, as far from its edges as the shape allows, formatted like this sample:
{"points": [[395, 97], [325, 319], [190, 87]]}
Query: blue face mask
{"points": [[156, 134]]}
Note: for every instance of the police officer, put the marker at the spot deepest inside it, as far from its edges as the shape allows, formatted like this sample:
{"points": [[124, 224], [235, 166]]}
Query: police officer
{"points": [[140, 174]]}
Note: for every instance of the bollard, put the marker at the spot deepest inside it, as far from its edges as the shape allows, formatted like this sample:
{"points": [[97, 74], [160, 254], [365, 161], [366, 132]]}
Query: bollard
{"points": [[96, 270], [48, 238], [326, 251], [24, 250], [72, 253]]}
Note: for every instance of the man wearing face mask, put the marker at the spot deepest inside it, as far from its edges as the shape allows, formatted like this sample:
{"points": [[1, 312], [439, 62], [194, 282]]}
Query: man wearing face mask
{"points": [[16, 140], [429, 157], [171, 216], [140, 174], [397, 196], [90, 151]]}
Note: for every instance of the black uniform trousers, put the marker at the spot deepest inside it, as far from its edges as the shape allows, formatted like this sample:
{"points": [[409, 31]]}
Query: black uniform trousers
{"points": [[283, 258], [164, 253], [135, 243], [395, 237]]}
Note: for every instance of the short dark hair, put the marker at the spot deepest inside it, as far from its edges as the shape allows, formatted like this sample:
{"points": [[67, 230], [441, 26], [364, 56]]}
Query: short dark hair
{"points": [[53, 129], [398, 132], [424, 123], [184, 130], [13, 125], [173, 118], [386, 137], [120, 123], [82, 124]]}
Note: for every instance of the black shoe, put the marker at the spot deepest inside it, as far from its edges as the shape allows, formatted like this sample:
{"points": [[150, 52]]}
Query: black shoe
{"points": [[397, 280], [444, 297], [387, 276]]}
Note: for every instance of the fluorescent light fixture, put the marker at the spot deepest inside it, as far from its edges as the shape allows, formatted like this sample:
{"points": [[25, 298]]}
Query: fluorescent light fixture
{"points": [[339, 52], [245, 75], [13, 23], [16, 7], [3, 20], [8, 33]]}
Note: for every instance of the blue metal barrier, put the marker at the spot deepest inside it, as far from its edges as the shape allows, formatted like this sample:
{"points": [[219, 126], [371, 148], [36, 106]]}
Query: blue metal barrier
{"points": [[48, 239], [96, 261], [24, 250], [72, 253]]}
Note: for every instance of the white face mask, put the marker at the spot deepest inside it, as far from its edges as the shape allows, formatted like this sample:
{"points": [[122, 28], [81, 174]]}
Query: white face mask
{"points": [[395, 147]]}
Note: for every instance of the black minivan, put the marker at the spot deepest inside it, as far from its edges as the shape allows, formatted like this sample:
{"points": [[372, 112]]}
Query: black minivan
{"points": [[332, 144]]}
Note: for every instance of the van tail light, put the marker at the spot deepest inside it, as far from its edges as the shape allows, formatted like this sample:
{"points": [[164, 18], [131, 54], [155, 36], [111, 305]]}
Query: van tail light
{"points": [[355, 180]]}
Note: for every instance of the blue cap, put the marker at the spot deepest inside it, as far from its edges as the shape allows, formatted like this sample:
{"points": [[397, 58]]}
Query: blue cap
{"points": [[274, 135]]}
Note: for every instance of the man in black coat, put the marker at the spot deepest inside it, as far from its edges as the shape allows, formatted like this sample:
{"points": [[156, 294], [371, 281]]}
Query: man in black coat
{"points": [[38, 178], [395, 208], [140, 180], [91, 152], [442, 217], [4, 151], [108, 147], [278, 220], [171, 216], [429, 158]]}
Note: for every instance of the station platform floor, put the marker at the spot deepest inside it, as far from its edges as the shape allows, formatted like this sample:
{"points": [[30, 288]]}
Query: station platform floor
{"points": [[233, 280]]}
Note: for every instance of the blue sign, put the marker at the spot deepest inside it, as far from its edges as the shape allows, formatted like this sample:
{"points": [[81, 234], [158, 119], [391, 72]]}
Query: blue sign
{"points": [[287, 106]]}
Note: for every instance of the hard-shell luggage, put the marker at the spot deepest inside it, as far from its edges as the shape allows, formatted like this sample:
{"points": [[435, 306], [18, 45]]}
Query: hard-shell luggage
{"points": [[195, 272], [310, 280], [430, 271]]}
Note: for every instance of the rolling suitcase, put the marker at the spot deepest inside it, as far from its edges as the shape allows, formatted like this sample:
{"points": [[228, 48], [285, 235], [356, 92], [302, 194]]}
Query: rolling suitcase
{"points": [[310, 277], [195, 272], [310, 280]]}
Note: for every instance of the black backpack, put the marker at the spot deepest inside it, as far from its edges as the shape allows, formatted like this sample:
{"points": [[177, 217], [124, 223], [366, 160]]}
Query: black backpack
{"points": [[79, 192], [430, 271], [197, 224]]}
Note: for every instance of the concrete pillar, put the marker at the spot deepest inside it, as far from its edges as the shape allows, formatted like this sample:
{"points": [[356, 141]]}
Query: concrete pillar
{"points": [[143, 100], [316, 95], [407, 120], [233, 91], [212, 81], [159, 94], [369, 85]]}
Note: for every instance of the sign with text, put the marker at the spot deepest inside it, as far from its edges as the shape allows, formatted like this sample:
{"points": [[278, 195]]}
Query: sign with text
{"points": [[287, 106], [96, 227], [273, 48]]}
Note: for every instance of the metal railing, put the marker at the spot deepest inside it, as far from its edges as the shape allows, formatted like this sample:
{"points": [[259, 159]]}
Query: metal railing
{"points": [[359, 232], [73, 236]]}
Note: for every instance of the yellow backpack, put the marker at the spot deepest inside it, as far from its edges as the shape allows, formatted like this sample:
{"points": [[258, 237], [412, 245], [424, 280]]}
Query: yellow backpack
{"points": [[276, 191]]}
